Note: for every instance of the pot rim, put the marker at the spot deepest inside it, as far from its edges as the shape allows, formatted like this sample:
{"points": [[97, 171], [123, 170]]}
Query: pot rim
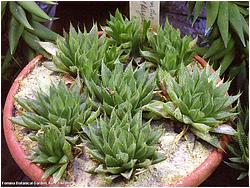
{"points": [[35, 173]]}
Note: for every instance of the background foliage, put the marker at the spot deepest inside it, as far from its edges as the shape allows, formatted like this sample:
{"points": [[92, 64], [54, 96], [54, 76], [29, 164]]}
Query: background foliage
{"points": [[226, 41], [226, 45], [22, 29]]}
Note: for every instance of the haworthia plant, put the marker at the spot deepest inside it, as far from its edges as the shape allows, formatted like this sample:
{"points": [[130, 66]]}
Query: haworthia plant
{"points": [[122, 87], [239, 148], [167, 49], [53, 151], [121, 142], [124, 146], [196, 99], [81, 52], [126, 34], [62, 106]]}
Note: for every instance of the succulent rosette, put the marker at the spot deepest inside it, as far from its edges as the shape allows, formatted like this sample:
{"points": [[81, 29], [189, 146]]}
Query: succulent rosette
{"points": [[167, 49], [61, 106], [53, 151], [196, 99], [126, 34], [122, 87], [124, 146]]}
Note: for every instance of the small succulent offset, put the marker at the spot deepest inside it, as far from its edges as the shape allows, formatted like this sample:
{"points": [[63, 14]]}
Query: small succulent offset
{"points": [[62, 106], [121, 88], [126, 33], [239, 149], [167, 49], [53, 151], [196, 99], [123, 147]]}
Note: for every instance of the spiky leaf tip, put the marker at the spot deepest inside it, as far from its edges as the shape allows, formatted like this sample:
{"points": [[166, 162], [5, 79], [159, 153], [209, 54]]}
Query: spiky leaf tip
{"points": [[122, 146], [195, 98]]}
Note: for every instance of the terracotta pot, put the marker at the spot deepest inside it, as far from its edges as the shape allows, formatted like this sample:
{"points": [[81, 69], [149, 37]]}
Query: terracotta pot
{"points": [[35, 173]]}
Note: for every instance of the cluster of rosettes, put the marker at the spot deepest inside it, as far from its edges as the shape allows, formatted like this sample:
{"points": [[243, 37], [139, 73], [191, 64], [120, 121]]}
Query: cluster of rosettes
{"points": [[104, 107]]}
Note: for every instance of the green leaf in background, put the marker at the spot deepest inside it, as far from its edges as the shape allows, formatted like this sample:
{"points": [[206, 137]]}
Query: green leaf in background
{"points": [[191, 6], [33, 8], [223, 22], [198, 8], [23, 22], [3, 8], [15, 32], [235, 21], [43, 32], [32, 41], [227, 60], [221, 54], [29, 53], [228, 32], [216, 47], [212, 8], [245, 25], [19, 14]]}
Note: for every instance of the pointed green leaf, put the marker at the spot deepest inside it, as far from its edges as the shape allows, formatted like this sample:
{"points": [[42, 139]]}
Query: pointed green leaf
{"points": [[49, 171], [223, 22], [127, 174], [235, 21], [212, 12], [57, 175], [198, 8]]}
